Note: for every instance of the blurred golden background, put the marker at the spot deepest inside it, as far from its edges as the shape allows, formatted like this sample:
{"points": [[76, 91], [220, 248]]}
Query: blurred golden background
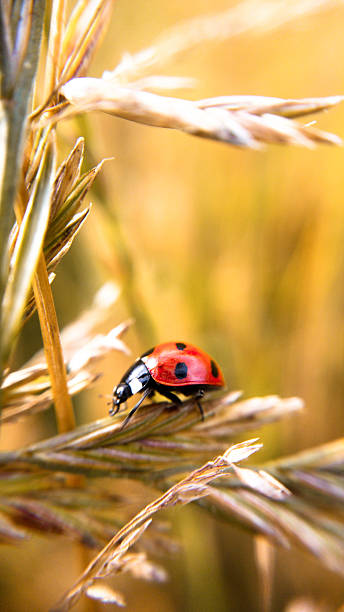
{"points": [[237, 251]]}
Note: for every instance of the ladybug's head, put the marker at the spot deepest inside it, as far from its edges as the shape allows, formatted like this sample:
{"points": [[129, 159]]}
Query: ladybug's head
{"points": [[120, 394]]}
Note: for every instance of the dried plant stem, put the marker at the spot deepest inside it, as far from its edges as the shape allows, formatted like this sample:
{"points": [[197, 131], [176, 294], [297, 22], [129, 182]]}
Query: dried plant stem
{"points": [[55, 45], [51, 337], [257, 16], [53, 349], [53, 353], [190, 488]]}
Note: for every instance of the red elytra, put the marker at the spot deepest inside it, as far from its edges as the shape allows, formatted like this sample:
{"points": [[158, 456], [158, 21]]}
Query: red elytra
{"points": [[177, 364], [171, 366]]}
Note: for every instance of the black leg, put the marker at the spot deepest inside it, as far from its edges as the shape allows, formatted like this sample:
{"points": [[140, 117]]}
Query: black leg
{"points": [[133, 410], [198, 402], [171, 396], [145, 394], [115, 408]]}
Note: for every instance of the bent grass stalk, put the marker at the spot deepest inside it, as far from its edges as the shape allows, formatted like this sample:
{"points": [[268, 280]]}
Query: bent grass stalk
{"points": [[185, 491]]}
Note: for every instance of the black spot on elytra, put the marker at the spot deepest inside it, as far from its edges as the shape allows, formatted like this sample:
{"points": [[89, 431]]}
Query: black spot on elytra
{"points": [[181, 370], [180, 346], [149, 352], [214, 369]]}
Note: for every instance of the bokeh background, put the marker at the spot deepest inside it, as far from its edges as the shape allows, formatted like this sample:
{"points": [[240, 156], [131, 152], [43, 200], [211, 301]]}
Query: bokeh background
{"points": [[240, 252]]}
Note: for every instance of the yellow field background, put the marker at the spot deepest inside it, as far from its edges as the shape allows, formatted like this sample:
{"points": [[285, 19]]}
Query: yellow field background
{"points": [[240, 252]]}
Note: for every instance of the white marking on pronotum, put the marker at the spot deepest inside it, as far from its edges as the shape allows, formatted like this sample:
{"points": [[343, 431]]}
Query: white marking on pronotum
{"points": [[150, 362], [135, 385]]}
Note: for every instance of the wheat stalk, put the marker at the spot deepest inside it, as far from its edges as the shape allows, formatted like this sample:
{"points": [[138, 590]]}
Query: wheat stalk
{"points": [[296, 500], [245, 122], [190, 488]]}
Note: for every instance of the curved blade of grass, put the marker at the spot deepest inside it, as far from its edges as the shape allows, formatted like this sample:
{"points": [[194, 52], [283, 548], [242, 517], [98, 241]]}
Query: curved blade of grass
{"points": [[3, 140], [16, 111], [64, 240], [235, 127], [67, 176], [148, 450], [258, 16], [27, 251], [72, 203], [16, 101], [55, 42], [190, 488], [6, 62], [83, 31]]}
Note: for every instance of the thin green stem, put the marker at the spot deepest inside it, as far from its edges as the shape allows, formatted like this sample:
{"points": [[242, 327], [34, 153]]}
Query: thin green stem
{"points": [[16, 105]]}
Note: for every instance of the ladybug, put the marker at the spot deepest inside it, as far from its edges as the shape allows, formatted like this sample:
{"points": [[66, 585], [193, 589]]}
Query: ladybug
{"points": [[169, 368]]}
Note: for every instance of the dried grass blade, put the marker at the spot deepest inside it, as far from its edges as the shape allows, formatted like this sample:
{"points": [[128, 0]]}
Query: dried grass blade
{"points": [[97, 347], [233, 507], [155, 419], [72, 203], [306, 531], [105, 595], [260, 105], [52, 347], [40, 512], [64, 240], [185, 491], [293, 521], [82, 35], [262, 482], [27, 250], [65, 222], [89, 94], [321, 484], [3, 140], [248, 414], [53, 64], [21, 26], [330, 455], [237, 127], [31, 404], [6, 46], [31, 304], [250, 15], [23, 377], [9, 531], [29, 390], [67, 176]]}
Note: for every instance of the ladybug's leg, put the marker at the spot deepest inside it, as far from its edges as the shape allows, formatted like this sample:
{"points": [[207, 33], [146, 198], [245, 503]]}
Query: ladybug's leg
{"points": [[114, 409], [170, 396], [137, 405], [198, 396]]}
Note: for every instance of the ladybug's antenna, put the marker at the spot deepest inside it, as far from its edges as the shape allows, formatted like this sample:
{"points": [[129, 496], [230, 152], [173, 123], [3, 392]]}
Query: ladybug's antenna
{"points": [[106, 396]]}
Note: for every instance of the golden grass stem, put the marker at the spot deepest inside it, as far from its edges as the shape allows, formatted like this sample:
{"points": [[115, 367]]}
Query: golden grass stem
{"points": [[6, 52], [57, 25], [190, 488], [50, 335], [52, 347]]}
